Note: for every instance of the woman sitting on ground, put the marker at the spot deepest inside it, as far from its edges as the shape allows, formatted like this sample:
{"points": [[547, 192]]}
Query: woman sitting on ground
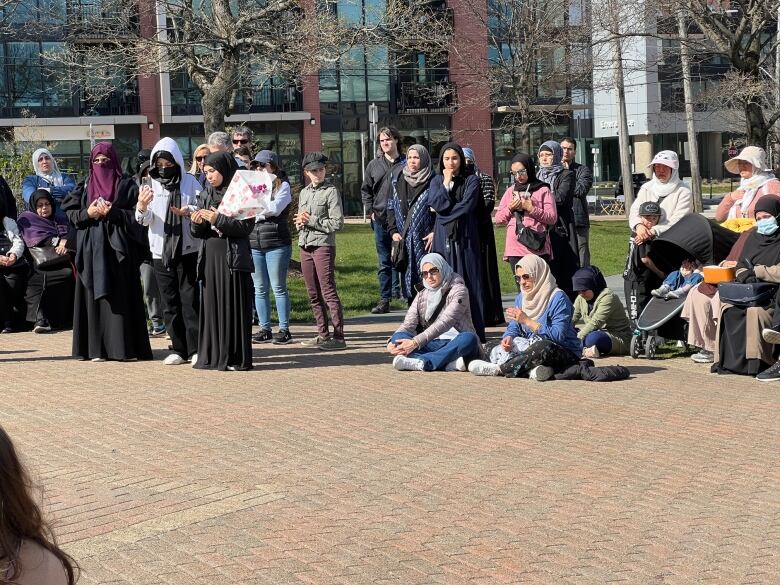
{"points": [[49, 291], [540, 340], [437, 333], [755, 181], [605, 329], [28, 550]]}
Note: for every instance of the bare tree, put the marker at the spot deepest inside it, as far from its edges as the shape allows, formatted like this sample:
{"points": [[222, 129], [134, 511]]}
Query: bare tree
{"points": [[744, 32], [224, 46]]}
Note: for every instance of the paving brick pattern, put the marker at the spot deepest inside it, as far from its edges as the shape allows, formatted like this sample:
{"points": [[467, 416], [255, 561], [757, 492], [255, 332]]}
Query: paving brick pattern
{"points": [[334, 468]]}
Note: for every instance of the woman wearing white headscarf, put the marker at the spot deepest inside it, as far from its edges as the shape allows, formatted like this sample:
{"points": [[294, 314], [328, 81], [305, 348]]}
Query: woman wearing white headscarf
{"points": [[667, 189], [47, 176], [675, 200], [540, 340], [437, 333], [756, 180]]}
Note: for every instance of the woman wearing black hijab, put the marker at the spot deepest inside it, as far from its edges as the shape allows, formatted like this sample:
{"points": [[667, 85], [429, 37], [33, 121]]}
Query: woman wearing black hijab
{"points": [[739, 348], [454, 196], [224, 268]]}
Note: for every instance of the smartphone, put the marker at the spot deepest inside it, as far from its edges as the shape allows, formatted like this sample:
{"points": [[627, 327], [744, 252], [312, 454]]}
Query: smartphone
{"points": [[146, 181], [100, 200]]}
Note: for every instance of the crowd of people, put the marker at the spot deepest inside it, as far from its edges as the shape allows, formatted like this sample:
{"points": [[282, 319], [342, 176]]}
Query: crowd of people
{"points": [[125, 258]]}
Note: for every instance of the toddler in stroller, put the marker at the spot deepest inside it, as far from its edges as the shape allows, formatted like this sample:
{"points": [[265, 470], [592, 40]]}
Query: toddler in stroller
{"points": [[680, 282]]}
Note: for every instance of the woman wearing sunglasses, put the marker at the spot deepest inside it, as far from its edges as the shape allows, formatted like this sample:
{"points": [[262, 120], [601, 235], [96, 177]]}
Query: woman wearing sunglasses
{"points": [[198, 158], [540, 340], [437, 333]]}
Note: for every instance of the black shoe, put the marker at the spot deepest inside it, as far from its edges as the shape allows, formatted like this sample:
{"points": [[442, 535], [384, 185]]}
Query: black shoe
{"points": [[41, 326], [771, 374], [381, 308], [282, 337], [262, 336]]}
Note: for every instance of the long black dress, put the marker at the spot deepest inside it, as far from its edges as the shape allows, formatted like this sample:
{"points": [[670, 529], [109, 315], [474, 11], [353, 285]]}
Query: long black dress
{"points": [[224, 269], [563, 236], [109, 319], [491, 286]]}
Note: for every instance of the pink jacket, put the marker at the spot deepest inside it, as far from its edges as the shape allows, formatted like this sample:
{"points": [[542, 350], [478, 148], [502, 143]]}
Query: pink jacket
{"points": [[543, 214], [722, 212]]}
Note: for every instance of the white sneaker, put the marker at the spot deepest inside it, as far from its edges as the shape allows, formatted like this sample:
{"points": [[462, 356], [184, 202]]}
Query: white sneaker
{"points": [[458, 365], [483, 368], [194, 359], [591, 352], [173, 360], [403, 363], [541, 373], [96, 360], [770, 335]]}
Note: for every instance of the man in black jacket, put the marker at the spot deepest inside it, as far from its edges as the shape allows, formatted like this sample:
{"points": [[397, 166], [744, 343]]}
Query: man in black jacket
{"points": [[375, 192], [584, 181]]}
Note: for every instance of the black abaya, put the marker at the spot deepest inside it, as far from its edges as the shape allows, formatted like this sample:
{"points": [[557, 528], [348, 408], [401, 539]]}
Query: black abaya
{"points": [[225, 312], [113, 325]]}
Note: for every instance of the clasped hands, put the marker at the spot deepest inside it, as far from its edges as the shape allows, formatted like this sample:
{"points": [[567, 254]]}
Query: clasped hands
{"points": [[8, 260], [201, 215], [402, 347]]}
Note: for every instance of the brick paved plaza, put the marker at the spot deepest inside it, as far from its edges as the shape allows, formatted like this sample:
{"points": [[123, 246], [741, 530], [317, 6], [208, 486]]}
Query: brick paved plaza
{"points": [[309, 471]]}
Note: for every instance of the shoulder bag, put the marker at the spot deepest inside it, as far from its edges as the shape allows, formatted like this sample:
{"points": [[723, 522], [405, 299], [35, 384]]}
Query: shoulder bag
{"points": [[532, 239]]}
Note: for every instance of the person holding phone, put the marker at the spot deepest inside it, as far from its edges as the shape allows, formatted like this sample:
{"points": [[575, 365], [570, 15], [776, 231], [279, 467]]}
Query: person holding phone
{"points": [[109, 320], [528, 204], [164, 207]]}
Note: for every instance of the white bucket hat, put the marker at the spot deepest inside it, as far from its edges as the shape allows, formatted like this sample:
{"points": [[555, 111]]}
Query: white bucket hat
{"points": [[668, 158], [755, 155]]}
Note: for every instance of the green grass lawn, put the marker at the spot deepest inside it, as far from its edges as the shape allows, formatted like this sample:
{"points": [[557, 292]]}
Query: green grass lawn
{"points": [[356, 277]]}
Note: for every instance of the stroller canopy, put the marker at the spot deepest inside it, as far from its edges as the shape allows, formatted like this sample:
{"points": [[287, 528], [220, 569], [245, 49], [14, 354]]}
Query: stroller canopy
{"points": [[694, 236]]}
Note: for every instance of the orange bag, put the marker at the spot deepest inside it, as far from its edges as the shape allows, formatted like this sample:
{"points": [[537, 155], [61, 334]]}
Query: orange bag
{"points": [[718, 274]]}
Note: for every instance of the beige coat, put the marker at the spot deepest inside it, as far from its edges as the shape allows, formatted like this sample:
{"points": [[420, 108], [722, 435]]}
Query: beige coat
{"points": [[38, 566]]}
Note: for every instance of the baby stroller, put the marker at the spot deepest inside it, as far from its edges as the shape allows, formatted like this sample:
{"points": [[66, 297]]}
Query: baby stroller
{"points": [[696, 237]]}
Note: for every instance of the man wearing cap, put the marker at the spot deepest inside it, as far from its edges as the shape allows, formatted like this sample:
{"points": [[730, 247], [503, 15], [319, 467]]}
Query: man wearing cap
{"points": [[375, 192], [667, 189], [756, 180]]}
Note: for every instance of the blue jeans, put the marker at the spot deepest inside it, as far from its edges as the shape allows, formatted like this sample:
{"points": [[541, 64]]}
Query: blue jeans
{"points": [[271, 273], [439, 352], [600, 339], [388, 277]]}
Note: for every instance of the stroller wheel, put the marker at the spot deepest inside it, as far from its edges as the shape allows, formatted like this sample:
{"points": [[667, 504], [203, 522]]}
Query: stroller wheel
{"points": [[651, 345], [636, 346]]}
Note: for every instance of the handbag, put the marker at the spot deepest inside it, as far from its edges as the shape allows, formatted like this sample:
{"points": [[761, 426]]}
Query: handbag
{"points": [[530, 238], [46, 258], [398, 256], [747, 294]]}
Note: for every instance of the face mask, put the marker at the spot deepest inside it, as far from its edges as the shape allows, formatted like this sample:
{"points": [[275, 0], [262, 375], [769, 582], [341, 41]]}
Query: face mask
{"points": [[767, 226], [166, 175]]}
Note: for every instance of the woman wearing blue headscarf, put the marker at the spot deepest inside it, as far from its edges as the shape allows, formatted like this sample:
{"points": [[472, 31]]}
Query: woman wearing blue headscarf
{"points": [[563, 235], [437, 333]]}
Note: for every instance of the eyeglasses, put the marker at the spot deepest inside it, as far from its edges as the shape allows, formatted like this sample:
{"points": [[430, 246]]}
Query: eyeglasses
{"points": [[520, 173], [200, 158], [241, 141], [432, 272], [43, 157], [522, 277]]}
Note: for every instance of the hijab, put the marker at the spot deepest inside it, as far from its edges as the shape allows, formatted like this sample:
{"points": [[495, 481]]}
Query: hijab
{"points": [[458, 178], [424, 174], [225, 165], [103, 179], [762, 174], [761, 249], [658, 188], [34, 228], [435, 293], [533, 182], [54, 177], [537, 300], [589, 278], [549, 174]]}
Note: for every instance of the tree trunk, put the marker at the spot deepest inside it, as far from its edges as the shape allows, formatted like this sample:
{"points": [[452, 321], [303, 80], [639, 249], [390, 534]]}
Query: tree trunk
{"points": [[214, 109], [757, 130]]}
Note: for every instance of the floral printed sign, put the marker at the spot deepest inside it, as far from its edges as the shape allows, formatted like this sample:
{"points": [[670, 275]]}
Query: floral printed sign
{"points": [[247, 194]]}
